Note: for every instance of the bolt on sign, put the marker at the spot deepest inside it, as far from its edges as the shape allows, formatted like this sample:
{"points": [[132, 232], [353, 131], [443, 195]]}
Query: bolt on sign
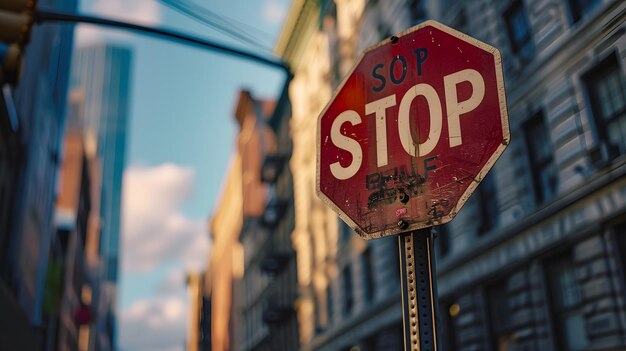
{"points": [[412, 130]]}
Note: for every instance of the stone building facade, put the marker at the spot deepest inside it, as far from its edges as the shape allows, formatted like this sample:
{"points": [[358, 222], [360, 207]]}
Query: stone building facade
{"points": [[536, 259], [225, 266], [349, 289]]}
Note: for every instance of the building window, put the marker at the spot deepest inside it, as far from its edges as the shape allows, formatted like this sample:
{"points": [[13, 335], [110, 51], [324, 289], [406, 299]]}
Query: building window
{"points": [[329, 305], [620, 237], [580, 8], [460, 22], [448, 313], [329, 27], [606, 85], [390, 338], [348, 298], [518, 28], [367, 270], [418, 12], [541, 153], [345, 232], [205, 324], [384, 30], [395, 259], [369, 343], [488, 204], [565, 300], [318, 310], [500, 331], [442, 242]]}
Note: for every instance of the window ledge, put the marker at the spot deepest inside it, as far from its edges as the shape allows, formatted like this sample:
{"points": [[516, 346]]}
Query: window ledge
{"points": [[595, 183], [565, 50]]}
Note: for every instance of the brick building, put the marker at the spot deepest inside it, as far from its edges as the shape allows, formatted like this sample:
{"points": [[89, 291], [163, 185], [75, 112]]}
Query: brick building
{"points": [[252, 274]]}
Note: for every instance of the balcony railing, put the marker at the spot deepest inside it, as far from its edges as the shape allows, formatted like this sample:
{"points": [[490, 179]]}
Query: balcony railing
{"points": [[275, 262], [274, 211], [272, 167], [275, 313]]}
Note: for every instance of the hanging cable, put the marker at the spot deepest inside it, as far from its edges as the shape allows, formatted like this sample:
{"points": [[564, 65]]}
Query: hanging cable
{"points": [[242, 27], [45, 15], [211, 19]]}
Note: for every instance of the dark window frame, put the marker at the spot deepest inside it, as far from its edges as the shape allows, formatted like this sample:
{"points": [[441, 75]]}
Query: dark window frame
{"points": [[498, 315], [345, 232], [367, 270], [460, 21], [329, 305], [330, 16], [449, 332], [544, 165], [417, 10], [559, 312], [443, 242], [597, 76], [522, 43], [579, 9], [488, 204], [395, 259], [317, 309], [348, 290], [618, 234]]}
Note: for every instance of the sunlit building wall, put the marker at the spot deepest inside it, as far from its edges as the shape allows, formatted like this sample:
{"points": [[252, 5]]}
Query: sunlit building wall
{"points": [[252, 129], [101, 75], [278, 259], [306, 50], [195, 282], [69, 277], [225, 266], [349, 288], [268, 290]]}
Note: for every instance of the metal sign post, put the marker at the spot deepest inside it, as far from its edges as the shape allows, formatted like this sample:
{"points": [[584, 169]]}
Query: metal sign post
{"points": [[419, 290], [406, 139]]}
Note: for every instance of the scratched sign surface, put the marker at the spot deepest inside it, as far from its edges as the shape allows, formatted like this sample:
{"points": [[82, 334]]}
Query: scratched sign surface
{"points": [[411, 131]]}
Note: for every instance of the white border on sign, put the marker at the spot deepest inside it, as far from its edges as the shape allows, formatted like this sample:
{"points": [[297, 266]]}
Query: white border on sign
{"points": [[483, 172]]}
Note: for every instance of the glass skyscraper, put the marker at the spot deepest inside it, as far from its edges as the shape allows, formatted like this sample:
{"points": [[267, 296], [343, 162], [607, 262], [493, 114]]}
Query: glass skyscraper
{"points": [[100, 88], [32, 115], [102, 75]]}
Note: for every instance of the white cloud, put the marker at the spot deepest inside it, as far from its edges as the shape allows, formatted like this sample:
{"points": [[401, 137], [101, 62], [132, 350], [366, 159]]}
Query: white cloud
{"points": [[158, 323], [155, 230], [85, 35], [173, 282], [274, 12], [145, 12]]}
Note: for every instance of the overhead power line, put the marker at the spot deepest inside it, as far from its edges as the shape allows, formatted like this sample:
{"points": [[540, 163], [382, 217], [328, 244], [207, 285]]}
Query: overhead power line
{"points": [[219, 23], [44, 15]]}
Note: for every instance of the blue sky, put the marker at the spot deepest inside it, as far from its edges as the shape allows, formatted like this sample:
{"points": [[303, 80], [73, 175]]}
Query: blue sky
{"points": [[180, 139]]}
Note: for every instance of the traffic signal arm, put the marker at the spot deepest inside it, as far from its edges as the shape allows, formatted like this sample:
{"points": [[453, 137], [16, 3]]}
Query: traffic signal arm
{"points": [[16, 20]]}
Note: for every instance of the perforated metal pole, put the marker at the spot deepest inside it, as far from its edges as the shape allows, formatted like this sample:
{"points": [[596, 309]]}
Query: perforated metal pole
{"points": [[419, 290]]}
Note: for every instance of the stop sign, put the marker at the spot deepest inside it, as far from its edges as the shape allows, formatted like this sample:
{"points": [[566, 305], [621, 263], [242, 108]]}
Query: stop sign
{"points": [[412, 130]]}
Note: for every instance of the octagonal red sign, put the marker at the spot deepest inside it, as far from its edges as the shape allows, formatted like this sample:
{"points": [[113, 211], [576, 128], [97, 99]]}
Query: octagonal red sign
{"points": [[412, 130]]}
